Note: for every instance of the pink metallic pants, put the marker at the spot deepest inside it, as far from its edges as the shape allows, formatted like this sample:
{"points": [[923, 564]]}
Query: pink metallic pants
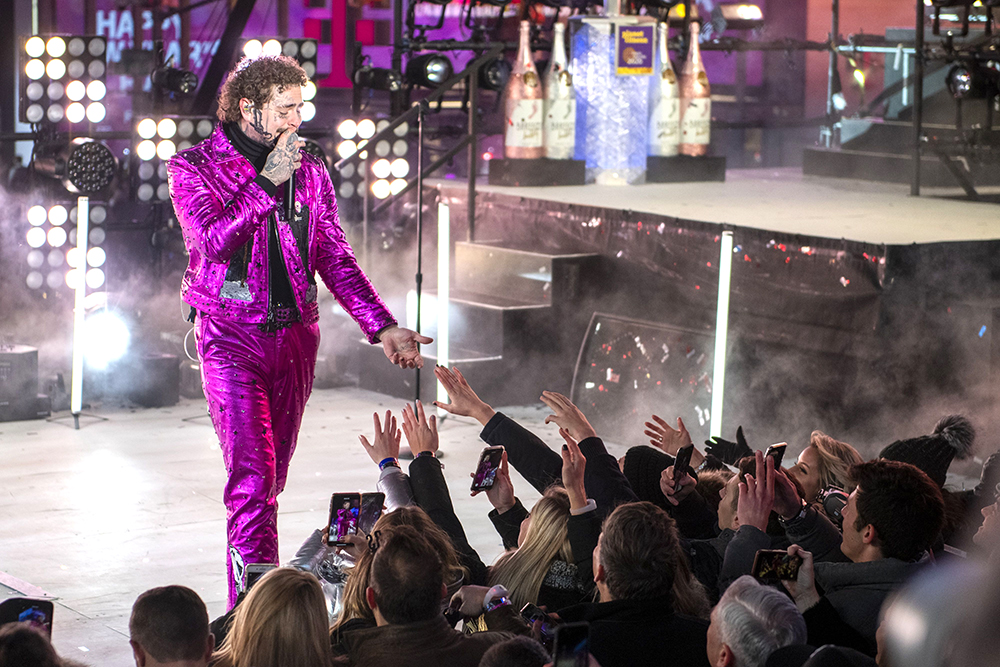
{"points": [[257, 385]]}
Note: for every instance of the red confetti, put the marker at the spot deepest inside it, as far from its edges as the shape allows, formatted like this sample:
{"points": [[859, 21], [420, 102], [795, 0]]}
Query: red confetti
{"points": [[746, 258], [697, 286]]}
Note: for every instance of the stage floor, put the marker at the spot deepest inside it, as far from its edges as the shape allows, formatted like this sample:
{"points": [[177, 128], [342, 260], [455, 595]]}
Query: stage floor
{"points": [[783, 200], [94, 517]]}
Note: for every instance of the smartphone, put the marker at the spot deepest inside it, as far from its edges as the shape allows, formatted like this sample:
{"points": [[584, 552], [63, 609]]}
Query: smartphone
{"points": [[28, 610], [371, 510], [682, 464], [486, 471], [572, 645], [254, 571], [530, 613], [773, 565], [777, 452], [345, 509]]}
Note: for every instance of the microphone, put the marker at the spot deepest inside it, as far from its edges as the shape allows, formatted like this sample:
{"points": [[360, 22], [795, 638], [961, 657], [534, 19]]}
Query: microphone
{"points": [[290, 187]]}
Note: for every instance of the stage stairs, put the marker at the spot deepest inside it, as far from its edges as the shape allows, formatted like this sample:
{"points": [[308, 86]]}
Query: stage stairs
{"points": [[516, 315]]}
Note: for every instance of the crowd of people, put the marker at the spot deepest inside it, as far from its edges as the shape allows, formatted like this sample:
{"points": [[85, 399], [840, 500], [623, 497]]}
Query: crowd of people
{"points": [[620, 563]]}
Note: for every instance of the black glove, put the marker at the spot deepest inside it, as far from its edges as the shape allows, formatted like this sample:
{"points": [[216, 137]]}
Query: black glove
{"points": [[729, 452]]}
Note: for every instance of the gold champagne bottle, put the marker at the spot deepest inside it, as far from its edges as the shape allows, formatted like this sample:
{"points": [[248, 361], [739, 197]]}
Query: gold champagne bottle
{"points": [[560, 102], [523, 107], [696, 100], [664, 103]]}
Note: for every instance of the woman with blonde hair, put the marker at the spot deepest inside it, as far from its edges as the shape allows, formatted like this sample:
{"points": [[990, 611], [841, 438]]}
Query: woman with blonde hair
{"points": [[282, 622], [824, 463]]}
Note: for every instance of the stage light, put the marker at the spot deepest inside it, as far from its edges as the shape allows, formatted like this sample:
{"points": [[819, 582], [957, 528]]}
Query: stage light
{"points": [[308, 111], [73, 257], [95, 112], [346, 190], [381, 188], [146, 150], [749, 12], [378, 78], [35, 47], [35, 259], [76, 112], [56, 47], [76, 69], [493, 75], [429, 70], [859, 77], [309, 92], [166, 128], [366, 129], [84, 166], [96, 68], [397, 186], [58, 215], [347, 129], [971, 80], [56, 237], [146, 128], [76, 46], [106, 338], [252, 49], [381, 168], [400, 168], [96, 90], [34, 91], [96, 236], [34, 280], [76, 90], [347, 148], [382, 148], [37, 216], [95, 278], [96, 257], [55, 90], [400, 147], [35, 237], [55, 258], [272, 47], [35, 69], [55, 113], [175, 80], [165, 149], [56, 69], [54, 280]]}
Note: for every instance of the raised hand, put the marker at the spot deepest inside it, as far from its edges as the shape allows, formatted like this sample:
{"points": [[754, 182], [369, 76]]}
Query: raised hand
{"points": [[386, 440], [464, 401], [757, 494], [501, 494], [663, 436], [573, 467], [421, 434], [285, 157], [402, 346], [567, 416], [677, 491], [787, 502], [729, 452]]}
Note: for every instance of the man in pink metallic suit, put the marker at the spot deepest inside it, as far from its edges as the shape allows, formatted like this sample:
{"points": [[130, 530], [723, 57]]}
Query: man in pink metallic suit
{"points": [[251, 286]]}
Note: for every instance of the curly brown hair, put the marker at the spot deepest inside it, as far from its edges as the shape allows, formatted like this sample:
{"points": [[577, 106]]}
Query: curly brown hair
{"points": [[255, 80]]}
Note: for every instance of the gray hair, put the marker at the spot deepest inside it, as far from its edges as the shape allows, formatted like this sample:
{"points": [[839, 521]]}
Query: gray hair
{"points": [[755, 620]]}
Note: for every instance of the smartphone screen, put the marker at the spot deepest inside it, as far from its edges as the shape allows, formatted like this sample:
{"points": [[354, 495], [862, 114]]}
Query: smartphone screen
{"points": [[345, 509], [682, 464], [777, 452], [255, 571], [486, 471], [371, 510], [773, 565], [28, 610], [572, 645], [530, 613]]}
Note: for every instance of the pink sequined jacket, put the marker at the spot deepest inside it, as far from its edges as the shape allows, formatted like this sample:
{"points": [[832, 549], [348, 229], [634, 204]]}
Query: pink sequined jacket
{"points": [[223, 215]]}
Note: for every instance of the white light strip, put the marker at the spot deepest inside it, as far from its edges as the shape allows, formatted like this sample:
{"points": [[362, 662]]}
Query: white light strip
{"points": [[82, 231], [444, 289], [721, 332]]}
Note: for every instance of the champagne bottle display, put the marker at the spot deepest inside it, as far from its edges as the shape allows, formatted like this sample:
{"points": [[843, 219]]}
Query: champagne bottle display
{"points": [[664, 103], [523, 105], [560, 102], [696, 101]]}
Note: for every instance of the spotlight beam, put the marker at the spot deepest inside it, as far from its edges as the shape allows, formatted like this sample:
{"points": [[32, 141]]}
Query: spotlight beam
{"points": [[82, 232]]}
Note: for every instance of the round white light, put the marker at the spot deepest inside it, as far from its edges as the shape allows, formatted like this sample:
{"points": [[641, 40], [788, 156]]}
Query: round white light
{"points": [[398, 185], [347, 171], [34, 91], [75, 112], [36, 259], [56, 236], [34, 113], [347, 148], [381, 169], [55, 91], [58, 215], [347, 129], [96, 90], [204, 127], [272, 47], [37, 215], [76, 47], [73, 257], [76, 69], [308, 48], [72, 278], [96, 236], [55, 258], [146, 150], [56, 47], [290, 49], [382, 148], [146, 128], [98, 214], [252, 48], [96, 257], [75, 90], [185, 128], [96, 47], [36, 237], [399, 147], [56, 69], [54, 280], [163, 192], [381, 188], [346, 190], [401, 129], [95, 69], [165, 149], [35, 47], [55, 113], [96, 112], [105, 339], [308, 111], [400, 168], [144, 192], [95, 278], [35, 69], [166, 128], [366, 129], [34, 280], [308, 91]]}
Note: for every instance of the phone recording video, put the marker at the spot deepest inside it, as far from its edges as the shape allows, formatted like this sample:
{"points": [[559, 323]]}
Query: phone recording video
{"points": [[682, 464], [36, 612], [777, 452], [572, 645], [771, 566], [371, 510], [486, 471], [345, 509], [530, 613], [254, 571]]}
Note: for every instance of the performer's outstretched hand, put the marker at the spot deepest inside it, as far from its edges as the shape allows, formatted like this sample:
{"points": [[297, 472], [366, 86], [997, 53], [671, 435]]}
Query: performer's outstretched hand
{"points": [[402, 346]]}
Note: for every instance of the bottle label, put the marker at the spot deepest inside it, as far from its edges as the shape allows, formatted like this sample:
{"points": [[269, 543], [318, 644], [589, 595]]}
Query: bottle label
{"points": [[696, 121], [524, 124], [665, 127], [560, 125]]}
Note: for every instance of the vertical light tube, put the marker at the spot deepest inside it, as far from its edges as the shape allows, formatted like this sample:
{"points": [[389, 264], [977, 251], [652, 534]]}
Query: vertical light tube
{"points": [[82, 231], [721, 332], [443, 291]]}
